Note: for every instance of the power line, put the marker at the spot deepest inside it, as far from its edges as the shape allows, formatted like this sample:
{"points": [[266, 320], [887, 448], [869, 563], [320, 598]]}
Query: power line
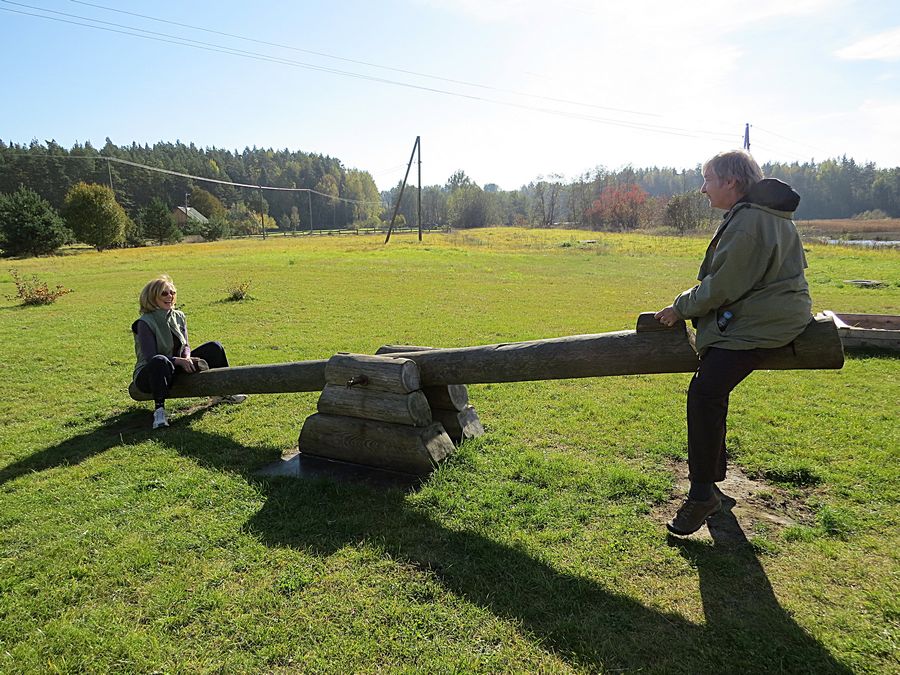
{"points": [[106, 158], [205, 46], [790, 140], [367, 63], [777, 151]]}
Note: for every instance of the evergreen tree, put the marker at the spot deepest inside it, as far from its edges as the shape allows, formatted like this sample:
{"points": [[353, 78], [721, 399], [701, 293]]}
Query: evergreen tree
{"points": [[158, 222], [215, 228], [29, 225]]}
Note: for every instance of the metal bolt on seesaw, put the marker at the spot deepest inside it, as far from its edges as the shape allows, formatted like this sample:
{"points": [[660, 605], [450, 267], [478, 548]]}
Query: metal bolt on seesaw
{"points": [[407, 405]]}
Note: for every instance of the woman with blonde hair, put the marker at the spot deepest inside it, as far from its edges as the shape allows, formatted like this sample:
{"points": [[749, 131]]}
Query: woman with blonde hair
{"points": [[162, 349]]}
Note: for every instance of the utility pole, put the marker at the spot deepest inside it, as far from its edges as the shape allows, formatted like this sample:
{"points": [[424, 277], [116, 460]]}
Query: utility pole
{"points": [[403, 187], [187, 197], [309, 201], [262, 217], [747, 136], [419, 195]]}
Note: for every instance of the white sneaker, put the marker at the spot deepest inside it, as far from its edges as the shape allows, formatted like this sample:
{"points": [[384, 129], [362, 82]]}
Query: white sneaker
{"points": [[159, 418], [234, 398]]}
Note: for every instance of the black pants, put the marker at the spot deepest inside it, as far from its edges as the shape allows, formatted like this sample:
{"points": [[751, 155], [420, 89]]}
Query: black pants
{"points": [[157, 376], [720, 371]]}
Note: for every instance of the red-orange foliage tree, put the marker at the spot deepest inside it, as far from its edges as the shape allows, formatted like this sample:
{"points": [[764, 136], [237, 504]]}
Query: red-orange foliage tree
{"points": [[617, 207]]}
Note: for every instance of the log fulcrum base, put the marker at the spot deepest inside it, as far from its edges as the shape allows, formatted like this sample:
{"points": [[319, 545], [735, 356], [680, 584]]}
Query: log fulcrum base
{"points": [[411, 409], [414, 450]]}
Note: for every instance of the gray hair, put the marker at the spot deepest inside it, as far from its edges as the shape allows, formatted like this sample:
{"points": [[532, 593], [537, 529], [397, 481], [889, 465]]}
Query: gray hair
{"points": [[738, 165]]}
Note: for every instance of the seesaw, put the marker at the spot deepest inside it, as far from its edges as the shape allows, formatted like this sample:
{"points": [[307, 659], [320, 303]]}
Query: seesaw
{"points": [[404, 407]]}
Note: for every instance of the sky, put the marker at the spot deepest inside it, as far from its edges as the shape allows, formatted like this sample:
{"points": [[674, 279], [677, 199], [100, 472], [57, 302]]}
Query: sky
{"points": [[506, 90]]}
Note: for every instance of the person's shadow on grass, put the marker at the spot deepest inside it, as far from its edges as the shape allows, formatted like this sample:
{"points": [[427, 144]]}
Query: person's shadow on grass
{"points": [[109, 433], [132, 424], [746, 629], [590, 625]]}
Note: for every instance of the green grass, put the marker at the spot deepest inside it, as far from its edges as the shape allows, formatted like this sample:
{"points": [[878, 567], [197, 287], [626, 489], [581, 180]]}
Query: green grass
{"points": [[535, 548]]}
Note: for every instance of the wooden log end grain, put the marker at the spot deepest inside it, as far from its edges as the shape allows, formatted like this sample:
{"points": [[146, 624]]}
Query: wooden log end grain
{"points": [[386, 373], [447, 397], [444, 397], [362, 401], [460, 425]]}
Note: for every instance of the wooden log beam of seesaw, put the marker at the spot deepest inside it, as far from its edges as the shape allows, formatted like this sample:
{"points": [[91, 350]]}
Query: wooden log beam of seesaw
{"points": [[276, 378], [652, 348]]}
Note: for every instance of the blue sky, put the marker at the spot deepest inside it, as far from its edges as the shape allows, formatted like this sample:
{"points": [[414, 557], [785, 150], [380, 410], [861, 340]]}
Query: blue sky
{"points": [[507, 90]]}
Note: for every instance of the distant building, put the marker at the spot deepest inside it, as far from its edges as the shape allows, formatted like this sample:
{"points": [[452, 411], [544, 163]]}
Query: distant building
{"points": [[182, 215]]}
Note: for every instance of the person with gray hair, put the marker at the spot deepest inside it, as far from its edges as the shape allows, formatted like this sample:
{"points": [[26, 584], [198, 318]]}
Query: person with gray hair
{"points": [[752, 296]]}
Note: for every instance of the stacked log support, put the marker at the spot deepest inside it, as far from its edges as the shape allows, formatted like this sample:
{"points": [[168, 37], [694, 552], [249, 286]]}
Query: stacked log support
{"points": [[373, 411], [449, 403]]}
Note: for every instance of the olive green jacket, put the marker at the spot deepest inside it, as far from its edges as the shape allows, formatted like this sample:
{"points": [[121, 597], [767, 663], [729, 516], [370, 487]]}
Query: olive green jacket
{"points": [[753, 268]]}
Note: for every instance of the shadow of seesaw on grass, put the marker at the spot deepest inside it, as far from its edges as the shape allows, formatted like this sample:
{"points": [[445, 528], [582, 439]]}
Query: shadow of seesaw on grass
{"points": [[588, 624]]}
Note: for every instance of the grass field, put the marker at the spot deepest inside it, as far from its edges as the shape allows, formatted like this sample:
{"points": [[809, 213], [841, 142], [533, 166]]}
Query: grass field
{"points": [[538, 547]]}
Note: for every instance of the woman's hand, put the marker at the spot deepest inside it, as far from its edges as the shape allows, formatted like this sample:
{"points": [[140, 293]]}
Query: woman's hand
{"points": [[667, 316], [186, 364]]}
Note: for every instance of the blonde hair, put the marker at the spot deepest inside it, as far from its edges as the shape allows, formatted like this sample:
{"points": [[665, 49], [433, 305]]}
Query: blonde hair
{"points": [[151, 292], [738, 165]]}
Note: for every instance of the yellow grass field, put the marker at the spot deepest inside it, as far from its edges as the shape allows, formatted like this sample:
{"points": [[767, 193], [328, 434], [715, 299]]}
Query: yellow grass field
{"points": [[884, 229]]}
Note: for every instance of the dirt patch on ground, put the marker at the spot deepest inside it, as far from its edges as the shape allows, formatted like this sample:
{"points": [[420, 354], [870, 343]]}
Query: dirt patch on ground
{"points": [[750, 506]]}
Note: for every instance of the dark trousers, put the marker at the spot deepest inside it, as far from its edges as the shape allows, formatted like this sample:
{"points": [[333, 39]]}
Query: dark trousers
{"points": [[158, 376], [720, 371]]}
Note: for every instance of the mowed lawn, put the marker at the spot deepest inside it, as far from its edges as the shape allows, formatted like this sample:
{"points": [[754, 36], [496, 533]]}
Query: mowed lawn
{"points": [[539, 547]]}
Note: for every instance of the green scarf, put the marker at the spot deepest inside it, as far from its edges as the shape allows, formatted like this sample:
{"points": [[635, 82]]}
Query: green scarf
{"points": [[167, 325]]}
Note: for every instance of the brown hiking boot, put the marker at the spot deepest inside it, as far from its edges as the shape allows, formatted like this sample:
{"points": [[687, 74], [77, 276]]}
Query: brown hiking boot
{"points": [[692, 514]]}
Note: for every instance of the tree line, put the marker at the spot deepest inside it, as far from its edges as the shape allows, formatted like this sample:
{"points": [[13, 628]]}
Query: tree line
{"points": [[652, 197], [51, 170], [622, 199]]}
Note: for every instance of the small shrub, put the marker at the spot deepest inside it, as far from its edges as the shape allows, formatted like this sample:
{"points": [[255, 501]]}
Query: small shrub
{"points": [[33, 291], [238, 290], [216, 228]]}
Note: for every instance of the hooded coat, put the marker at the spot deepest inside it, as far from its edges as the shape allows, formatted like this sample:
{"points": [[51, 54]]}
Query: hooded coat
{"points": [[753, 268]]}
